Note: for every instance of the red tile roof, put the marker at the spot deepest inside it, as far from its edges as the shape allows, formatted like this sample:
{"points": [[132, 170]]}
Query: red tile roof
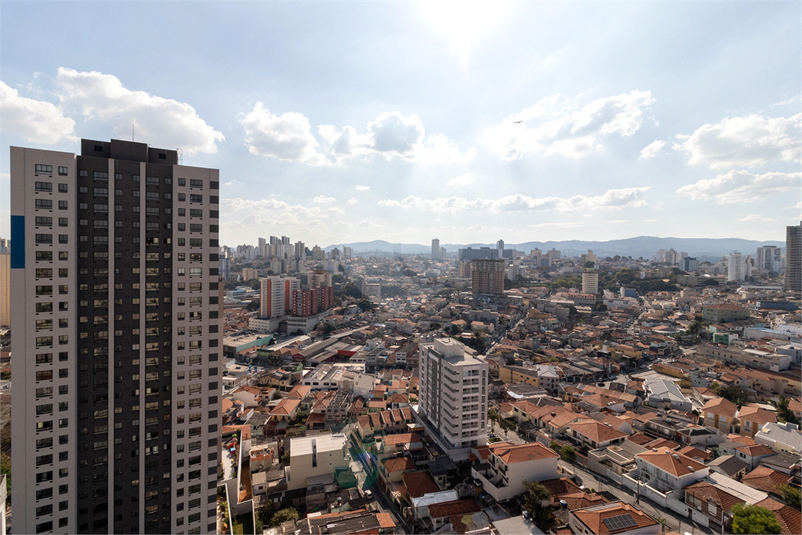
{"points": [[419, 483], [765, 479], [665, 460], [790, 519], [707, 491], [456, 507], [596, 431], [593, 518], [522, 453]]}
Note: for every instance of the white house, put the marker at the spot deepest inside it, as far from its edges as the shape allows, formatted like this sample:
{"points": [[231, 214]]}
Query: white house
{"points": [[665, 470], [508, 466], [314, 456]]}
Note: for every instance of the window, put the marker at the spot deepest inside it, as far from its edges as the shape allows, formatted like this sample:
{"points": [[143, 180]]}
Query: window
{"points": [[44, 256], [62, 171], [196, 198], [62, 205], [63, 238], [44, 203], [44, 169], [44, 186], [99, 175], [63, 255], [63, 221]]}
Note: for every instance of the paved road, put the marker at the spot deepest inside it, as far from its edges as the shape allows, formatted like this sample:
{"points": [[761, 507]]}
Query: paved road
{"points": [[674, 521], [367, 479]]}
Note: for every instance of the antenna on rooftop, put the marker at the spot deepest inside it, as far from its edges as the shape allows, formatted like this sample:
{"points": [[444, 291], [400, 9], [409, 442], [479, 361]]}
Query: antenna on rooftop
{"points": [[132, 130]]}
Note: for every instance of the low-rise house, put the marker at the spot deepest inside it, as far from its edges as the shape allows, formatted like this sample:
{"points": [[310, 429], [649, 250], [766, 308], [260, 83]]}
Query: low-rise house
{"points": [[780, 437], [728, 465], [753, 418], [613, 518], [710, 505], [751, 455], [789, 518], [593, 435], [668, 471], [719, 414], [616, 459], [441, 513], [314, 456], [508, 466], [767, 480]]}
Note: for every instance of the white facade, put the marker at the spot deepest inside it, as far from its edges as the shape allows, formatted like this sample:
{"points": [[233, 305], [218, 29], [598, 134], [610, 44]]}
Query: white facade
{"points": [[738, 267], [315, 456], [590, 282], [453, 393]]}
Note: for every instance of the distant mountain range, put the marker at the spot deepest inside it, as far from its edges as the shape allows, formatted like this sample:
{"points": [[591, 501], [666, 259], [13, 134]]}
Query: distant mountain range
{"points": [[642, 246]]}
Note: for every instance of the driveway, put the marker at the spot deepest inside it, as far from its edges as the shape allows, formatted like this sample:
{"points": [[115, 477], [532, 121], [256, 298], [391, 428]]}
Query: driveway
{"points": [[674, 521]]}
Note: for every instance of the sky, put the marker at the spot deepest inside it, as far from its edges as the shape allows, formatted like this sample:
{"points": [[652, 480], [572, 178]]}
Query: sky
{"points": [[466, 121]]}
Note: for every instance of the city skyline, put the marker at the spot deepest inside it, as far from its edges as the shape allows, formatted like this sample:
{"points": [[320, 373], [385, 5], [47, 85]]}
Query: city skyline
{"points": [[401, 122]]}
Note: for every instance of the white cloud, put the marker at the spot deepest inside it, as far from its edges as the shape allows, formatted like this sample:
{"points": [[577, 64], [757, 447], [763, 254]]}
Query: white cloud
{"points": [[352, 200], [757, 218], [791, 100], [285, 137], [557, 126], [322, 199], [163, 122], [742, 186], [392, 136], [369, 224], [232, 183], [615, 199], [35, 121], [463, 180], [652, 149], [744, 141], [363, 188], [565, 224]]}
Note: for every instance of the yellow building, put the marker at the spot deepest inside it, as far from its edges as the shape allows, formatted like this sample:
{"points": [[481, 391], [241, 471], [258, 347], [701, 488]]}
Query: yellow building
{"points": [[518, 374]]}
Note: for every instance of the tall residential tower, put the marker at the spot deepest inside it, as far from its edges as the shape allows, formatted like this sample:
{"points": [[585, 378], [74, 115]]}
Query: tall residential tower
{"points": [[116, 307], [793, 257]]}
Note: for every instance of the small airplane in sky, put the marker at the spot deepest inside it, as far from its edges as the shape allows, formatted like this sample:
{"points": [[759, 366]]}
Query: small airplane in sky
{"points": [[518, 122]]}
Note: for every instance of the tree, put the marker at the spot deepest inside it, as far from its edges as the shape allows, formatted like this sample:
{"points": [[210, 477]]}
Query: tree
{"points": [[536, 494], [589, 265], [791, 495], [568, 454], [556, 447], [264, 514], [753, 519], [784, 414], [284, 515], [253, 306], [601, 308], [364, 305]]}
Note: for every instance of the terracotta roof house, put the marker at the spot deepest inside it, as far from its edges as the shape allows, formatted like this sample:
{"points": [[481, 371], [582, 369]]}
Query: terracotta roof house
{"points": [[594, 434], [711, 501], [508, 466], [664, 470], [613, 518], [789, 518], [719, 413], [419, 483], [765, 479], [753, 418], [751, 455]]}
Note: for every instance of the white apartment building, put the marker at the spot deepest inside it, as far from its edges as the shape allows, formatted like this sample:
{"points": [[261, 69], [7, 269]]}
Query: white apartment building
{"points": [[590, 281], [453, 394], [315, 456]]}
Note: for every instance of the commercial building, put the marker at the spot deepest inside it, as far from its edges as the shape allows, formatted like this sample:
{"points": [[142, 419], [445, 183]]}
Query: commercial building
{"points": [[793, 258], [116, 307], [453, 393], [487, 277], [435, 249]]}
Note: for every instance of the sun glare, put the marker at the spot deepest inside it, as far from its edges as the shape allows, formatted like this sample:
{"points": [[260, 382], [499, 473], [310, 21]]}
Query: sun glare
{"points": [[463, 22]]}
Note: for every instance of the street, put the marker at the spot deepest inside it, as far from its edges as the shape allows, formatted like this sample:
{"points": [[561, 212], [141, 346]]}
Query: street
{"points": [[674, 521], [367, 479]]}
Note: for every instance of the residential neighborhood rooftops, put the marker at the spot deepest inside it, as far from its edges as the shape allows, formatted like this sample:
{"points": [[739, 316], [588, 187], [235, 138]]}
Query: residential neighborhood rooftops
{"points": [[596, 431]]}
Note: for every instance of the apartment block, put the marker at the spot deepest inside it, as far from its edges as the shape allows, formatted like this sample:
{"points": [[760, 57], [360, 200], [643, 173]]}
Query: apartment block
{"points": [[453, 393], [116, 307]]}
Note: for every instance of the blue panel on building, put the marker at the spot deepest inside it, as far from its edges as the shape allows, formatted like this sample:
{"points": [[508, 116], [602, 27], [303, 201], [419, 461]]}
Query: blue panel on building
{"points": [[17, 242]]}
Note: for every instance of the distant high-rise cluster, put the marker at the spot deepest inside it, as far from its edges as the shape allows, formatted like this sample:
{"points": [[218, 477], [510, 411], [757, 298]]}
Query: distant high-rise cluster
{"points": [[435, 249]]}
